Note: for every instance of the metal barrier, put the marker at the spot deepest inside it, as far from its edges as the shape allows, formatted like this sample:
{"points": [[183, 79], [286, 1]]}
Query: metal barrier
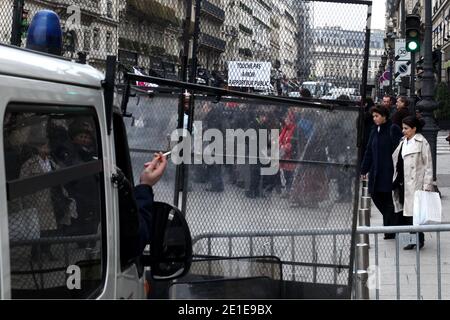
{"points": [[316, 188], [438, 229], [362, 247], [361, 289]]}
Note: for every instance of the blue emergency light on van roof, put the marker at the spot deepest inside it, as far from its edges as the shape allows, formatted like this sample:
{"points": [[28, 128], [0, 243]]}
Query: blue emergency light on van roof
{"points": [[45, 33]]}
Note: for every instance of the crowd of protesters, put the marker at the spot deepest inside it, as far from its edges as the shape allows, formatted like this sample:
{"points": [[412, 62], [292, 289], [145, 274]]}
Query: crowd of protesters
{"points": [[308, 141]]}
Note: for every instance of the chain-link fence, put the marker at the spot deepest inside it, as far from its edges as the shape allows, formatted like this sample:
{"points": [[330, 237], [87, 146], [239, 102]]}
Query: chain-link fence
{"points": [[283, 48], [232, 207]]}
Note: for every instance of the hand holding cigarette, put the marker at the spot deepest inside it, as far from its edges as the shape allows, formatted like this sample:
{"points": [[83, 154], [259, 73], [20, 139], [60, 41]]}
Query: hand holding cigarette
{"points": [[154, 170], [167, 154]]}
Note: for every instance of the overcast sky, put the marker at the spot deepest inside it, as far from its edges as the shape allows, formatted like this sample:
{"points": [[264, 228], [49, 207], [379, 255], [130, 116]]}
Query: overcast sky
{"points": [[349, 16], [378, 13]]}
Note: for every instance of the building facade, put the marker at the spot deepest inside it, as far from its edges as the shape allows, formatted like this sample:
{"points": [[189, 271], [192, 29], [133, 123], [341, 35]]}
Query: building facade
{"points": [[149, 34], [376, 52], [441, 38], [338, 56], [91, 29]]}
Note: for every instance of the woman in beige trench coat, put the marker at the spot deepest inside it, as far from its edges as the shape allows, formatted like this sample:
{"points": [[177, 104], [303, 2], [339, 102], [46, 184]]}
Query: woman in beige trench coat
{"points": [[412, 160]]}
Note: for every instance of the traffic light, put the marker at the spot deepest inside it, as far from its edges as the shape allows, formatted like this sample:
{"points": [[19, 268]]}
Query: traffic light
{"points": [[412, 33], [437, 56]]}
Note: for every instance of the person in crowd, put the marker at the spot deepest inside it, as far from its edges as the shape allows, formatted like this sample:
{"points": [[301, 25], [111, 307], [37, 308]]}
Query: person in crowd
{"points": [[340, 148], [270, 182], [389, 102], [413, 171], [213, 120], [368, 124], [261, 122], [288, 150], [310, 185], [377, 162], [402, 111]]}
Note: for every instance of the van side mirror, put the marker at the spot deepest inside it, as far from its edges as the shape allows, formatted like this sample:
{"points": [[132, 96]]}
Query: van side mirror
{"points": [[171, 246]]}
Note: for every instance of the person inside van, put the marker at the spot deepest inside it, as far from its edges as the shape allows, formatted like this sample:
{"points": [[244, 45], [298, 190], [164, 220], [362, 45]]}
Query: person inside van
{"points": [[84, 190], [143, 193], [54, 206]]}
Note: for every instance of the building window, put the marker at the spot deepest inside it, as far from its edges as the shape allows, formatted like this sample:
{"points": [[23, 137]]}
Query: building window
{"points": [[109, 9], [109, 41], [55, 220], [87, 40], [96, 40]]}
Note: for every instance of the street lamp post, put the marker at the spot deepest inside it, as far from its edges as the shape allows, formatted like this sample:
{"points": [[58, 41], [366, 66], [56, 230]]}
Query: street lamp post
{"points": [[391, 76], [427, 105], [384, 59], [380, 83], [389, 43]]}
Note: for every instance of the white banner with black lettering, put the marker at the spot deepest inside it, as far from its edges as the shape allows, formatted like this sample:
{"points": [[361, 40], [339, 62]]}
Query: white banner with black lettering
{"points": [[249, 74]]}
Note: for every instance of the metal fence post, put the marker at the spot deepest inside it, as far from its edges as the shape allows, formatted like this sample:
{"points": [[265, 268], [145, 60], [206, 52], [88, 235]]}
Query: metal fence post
{"points": [[362, 247], [17, 22]]}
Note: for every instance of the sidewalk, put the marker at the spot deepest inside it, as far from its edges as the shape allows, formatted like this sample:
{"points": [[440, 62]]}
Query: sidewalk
{"points": [[428, 255]]}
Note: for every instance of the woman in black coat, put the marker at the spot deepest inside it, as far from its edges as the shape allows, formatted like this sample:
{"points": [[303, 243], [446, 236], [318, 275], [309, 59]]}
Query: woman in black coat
{"points": [[384, 139]]}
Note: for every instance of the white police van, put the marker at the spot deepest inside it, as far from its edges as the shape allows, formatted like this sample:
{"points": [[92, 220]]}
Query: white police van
{"points": [[69, 224]]}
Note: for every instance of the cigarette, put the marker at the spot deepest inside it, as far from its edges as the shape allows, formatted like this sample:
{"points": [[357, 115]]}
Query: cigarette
{"points": [[167, 153]]}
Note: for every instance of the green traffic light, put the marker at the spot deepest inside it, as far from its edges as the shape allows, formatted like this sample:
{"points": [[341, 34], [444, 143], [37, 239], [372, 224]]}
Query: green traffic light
{"points": [[413, 46]]}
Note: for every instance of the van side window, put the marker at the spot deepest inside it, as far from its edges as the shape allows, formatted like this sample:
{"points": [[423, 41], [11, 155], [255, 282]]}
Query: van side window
{"points": [[55, 191]]}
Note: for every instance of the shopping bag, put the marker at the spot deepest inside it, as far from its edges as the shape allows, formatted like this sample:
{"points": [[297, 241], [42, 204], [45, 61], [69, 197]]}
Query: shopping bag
{"points": [[427, 208], [24, 225]]}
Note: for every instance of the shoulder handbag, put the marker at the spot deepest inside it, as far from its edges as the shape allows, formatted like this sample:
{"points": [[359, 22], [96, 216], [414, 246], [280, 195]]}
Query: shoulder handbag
{"points": [[399, 183]]}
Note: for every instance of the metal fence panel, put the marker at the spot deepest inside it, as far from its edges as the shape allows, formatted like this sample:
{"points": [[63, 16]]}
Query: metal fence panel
{"points": [[314, 191]]}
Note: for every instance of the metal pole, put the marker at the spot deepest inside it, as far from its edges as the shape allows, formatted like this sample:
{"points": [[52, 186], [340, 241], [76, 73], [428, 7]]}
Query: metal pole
{"points": [[184, 77], [363, 244], [412, 94], [403, 91], [427, 105], [366, 56], [439, 67], [403, 17], [391, 71], [17, 23], [193, 76]]}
